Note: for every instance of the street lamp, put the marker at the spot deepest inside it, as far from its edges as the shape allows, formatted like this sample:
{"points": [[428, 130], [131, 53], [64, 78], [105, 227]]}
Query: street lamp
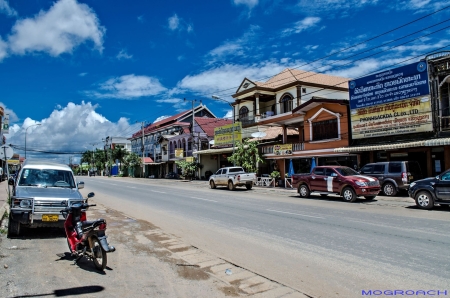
{"points": [[232, 130], [26, 130]]}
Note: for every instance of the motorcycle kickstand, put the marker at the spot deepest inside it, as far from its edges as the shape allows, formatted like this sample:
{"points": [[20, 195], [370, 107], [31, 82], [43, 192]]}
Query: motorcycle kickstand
{"points": [[79, 256]]}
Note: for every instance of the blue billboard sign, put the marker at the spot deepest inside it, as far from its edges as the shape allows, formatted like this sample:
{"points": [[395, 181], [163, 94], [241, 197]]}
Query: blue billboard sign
{"points": [[388, 86]]}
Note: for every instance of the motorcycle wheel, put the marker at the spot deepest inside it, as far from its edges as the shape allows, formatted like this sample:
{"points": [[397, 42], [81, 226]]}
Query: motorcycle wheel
{"points": [[68, 244], [98, 254]]}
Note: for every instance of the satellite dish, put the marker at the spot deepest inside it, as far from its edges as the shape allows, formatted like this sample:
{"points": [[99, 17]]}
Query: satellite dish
{"points": [[6, 150], [259, 134], [211, 142]]}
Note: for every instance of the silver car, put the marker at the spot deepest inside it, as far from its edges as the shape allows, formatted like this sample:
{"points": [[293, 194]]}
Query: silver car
{"points": [[41, 190]]}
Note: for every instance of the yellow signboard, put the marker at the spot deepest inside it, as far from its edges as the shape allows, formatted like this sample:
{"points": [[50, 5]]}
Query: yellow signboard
{"points": [[395, 118], [179, 153], [282, 149], [223, 134], [190, 159]]}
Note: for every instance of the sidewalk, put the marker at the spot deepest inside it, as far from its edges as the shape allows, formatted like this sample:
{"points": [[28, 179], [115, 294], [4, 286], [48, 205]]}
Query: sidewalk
{"points": [[3, 198]]}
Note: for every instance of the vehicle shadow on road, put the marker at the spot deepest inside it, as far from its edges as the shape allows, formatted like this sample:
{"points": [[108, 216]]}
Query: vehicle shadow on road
{"points": [[39, 233], [333, 198], [84, 263], [436, 208], [69, 292]]}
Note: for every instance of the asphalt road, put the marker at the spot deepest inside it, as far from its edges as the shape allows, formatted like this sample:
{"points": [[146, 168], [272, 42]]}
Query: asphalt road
{"points": [[321, 247]]}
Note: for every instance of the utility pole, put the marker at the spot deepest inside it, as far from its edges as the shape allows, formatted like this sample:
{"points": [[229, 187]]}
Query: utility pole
{"points": [[143, 150], [234, 117]]}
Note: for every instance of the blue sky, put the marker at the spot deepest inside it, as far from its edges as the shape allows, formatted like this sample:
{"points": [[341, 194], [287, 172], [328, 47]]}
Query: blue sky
{"points": [[90, 69]]}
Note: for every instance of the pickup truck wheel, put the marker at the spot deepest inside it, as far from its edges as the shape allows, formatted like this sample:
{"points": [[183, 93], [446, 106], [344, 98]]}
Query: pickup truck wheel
{"points": [[424, 200], [231, 185], [389, 189], [303, 191], [13, 228], [212, 184], [369, 198], [349, 195], [248, 186]]}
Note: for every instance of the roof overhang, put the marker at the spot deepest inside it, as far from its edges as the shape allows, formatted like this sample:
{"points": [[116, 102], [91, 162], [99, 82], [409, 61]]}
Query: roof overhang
{"points": [[382, 147]]}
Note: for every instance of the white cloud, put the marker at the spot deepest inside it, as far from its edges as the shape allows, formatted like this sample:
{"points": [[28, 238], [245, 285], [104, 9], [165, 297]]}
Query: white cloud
{"points": [[161, 118], [73, 128], [83, 74], [301, 25], [225, 79], [174, 22], [3, 49], [6, 9], [237, 47], [123, 55], [12, 115], [141, 19], [66, 25], [249, 3], [128, 87], [332, 6]]}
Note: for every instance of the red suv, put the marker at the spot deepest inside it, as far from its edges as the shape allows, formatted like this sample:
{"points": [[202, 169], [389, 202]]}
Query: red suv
{"points": [[343, 181]]}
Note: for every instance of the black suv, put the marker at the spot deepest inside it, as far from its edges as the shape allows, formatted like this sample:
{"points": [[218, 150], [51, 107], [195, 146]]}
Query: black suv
{"points": [[393, 175], [430, 191]]}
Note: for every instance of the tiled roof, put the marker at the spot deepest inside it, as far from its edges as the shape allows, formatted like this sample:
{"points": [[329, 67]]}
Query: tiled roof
{"points": [[208, 124], [147, 160], [290, 75], [161, 123], [274, 132]]}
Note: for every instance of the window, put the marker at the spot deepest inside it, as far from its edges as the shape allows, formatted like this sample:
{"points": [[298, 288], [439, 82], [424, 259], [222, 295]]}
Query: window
{"points": [[235, 170], [323, 130], [378, 169], [243, 113], [319, 171], [286, 103], [330, 172], [395, 167], [367, 169]]}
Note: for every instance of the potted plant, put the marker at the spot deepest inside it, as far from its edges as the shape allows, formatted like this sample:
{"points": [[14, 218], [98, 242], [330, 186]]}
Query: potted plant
{"points": [[275, 175]]}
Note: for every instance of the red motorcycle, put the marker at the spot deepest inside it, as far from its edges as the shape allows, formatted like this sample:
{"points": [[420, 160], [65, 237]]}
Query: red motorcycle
{"points": [[86, 238]]}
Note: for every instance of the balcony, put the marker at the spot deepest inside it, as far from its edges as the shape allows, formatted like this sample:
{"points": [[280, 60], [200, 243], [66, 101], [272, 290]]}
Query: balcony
{"points": [[295, 147]]}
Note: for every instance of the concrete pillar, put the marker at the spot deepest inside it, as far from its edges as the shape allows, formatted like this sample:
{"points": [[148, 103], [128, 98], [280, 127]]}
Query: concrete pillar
{"points": [[446, 157], [299, 95], [257, 105]]}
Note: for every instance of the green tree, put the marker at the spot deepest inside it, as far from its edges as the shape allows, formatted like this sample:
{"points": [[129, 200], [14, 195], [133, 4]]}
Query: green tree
{"points": [[130, 161], [246, 155], [188, 168], [120, 154]]}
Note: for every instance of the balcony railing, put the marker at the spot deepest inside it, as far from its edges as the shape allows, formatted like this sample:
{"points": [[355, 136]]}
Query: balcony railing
{"points": [[295, 147]]}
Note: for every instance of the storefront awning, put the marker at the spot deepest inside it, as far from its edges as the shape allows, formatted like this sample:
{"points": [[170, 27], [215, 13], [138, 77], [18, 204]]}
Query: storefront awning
{"points": [[438, 142], [382, 147], [146, 160]]}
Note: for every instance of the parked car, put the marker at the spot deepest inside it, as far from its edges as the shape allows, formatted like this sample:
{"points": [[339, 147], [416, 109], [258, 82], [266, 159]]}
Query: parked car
{"points": [[232, 177], [91, 173], [344, 181], [172, 175], [431, 191], [394, 176], [41, 190]]}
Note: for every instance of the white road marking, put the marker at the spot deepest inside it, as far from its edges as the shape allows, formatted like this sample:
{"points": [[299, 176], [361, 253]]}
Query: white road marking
{"points": [[204, 199], [131, 187], [294, 213], [158, 191]]}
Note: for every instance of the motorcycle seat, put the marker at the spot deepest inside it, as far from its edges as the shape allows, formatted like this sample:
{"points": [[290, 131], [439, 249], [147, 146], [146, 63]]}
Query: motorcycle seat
{"points": [[90, 224]]}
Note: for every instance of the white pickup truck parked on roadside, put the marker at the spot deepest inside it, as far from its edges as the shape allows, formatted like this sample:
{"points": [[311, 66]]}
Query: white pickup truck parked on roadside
{"points": [[232, 177]]}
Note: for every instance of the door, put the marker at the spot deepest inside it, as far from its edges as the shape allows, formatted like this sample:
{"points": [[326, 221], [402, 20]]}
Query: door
{"points": [[442, 187], [218, 177], [332, 180], [318, 180]]}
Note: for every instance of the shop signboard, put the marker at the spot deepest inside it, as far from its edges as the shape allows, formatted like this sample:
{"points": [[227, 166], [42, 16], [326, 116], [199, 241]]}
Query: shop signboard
{"points": [[179, 153], [392, 102], [282, 149], [396, 84], [223, 134], [5, 124], [399, 117], [190, 159]]}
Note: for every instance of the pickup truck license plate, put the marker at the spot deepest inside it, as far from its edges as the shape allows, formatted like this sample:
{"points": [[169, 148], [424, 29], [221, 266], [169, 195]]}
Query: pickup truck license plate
{"points": [[50, 217]]}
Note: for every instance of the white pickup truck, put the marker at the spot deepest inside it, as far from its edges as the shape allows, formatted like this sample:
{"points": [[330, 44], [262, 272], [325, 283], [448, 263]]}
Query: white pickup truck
{"points": [[232, 177]]}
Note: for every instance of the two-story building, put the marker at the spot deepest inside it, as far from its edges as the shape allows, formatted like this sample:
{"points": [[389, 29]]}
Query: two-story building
{"points": [[173, 138]]}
